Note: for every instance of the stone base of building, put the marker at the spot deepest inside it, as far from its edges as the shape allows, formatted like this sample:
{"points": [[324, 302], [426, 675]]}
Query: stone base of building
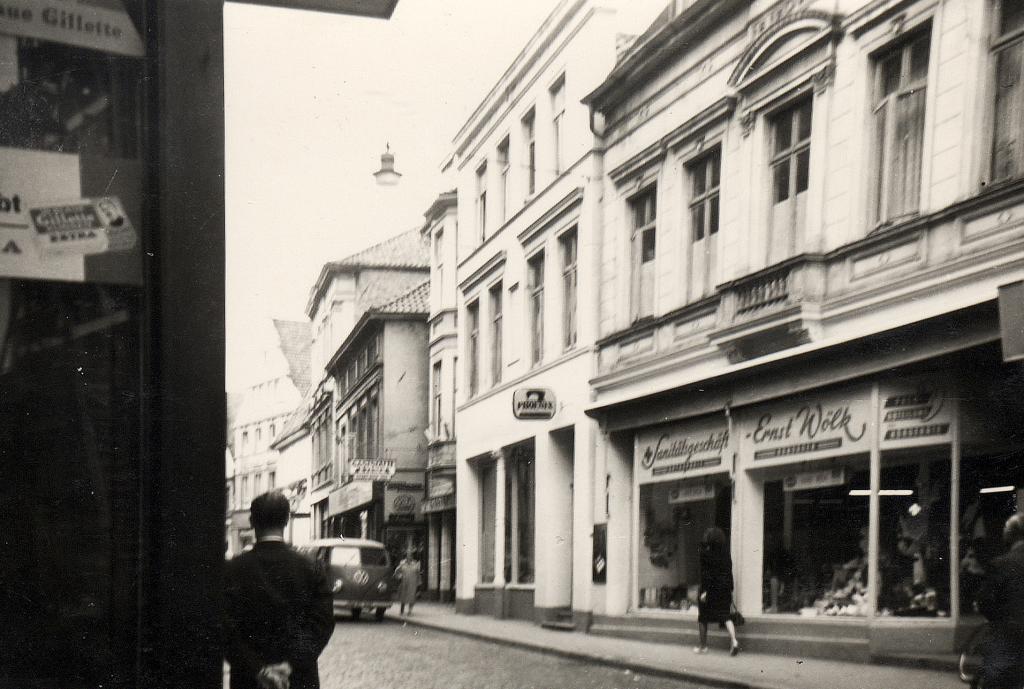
{"points": [[438, 596], [853, 640], [500, 603]]}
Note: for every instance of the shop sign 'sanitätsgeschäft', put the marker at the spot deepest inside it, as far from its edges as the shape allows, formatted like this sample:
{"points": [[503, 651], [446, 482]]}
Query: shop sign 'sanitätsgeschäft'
{"points": [[813, 427], [372, 469], [682, 450], [95, 24], [533, 403]]}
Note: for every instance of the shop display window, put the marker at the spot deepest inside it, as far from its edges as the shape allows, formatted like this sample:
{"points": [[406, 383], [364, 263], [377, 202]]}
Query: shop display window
{"points": [[913, 554], [991, 490], [816, 540], [520, 502], [487, 514], [68, 99], [673, 518]]}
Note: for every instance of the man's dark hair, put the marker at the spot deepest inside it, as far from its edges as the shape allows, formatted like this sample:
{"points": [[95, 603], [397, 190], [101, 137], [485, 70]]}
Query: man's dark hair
{"points": [[269, 511]]}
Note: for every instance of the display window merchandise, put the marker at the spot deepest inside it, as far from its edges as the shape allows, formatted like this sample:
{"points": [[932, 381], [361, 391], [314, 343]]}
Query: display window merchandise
{"points": [[684, 488]]}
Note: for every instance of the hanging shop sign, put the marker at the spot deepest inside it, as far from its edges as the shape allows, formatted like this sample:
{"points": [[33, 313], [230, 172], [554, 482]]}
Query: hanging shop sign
{"points": [[44, 236], [440, 486], [533, 403], [815, 427], [683, 450], [810, 480], [102, 25], [439, 504], [372, 469], [402, 503], [349, 496], [914, 414], [691, 493]]}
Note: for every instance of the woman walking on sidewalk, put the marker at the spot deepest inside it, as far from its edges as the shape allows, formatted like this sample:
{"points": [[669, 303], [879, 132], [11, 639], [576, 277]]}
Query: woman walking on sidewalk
{"points": [[408, 571], [715, 596]]}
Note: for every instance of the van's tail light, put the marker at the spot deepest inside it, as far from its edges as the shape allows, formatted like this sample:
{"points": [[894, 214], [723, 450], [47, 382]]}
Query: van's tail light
{"points": [[382, 586], [337, 585]]}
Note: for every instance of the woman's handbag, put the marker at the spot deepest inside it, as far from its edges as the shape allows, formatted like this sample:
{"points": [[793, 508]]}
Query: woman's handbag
{"points": [[736, 616]]}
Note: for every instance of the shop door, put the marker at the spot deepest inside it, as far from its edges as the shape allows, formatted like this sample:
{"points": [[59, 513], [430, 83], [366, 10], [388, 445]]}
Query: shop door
{"points": [[399, 539]]}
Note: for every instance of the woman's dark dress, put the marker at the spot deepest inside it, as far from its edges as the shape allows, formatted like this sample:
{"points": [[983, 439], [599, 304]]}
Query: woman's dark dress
{"points": [[716, 581]]}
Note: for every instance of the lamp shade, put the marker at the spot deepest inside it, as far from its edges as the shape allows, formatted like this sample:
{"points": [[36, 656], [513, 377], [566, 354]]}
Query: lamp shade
{"points": [[387, 175]]}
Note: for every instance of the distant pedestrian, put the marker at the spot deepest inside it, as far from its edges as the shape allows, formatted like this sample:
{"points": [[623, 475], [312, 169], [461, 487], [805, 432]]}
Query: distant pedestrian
{"points": [[1001, 600], [408, 571], [278, 606], [714, 601]]}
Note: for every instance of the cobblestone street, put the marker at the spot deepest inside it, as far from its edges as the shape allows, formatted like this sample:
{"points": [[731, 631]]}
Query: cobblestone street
{"points": [[368, 655]]}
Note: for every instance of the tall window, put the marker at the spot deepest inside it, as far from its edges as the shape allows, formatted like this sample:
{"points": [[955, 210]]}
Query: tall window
{"points": [[901, 78], [259, 438], [245, 491], [473, 353], [530, 152], [372, 428], [790, 164], [520, 501], [272, 480], [439, 268], [568, 244], [481, 201], [496, 332], [273, 431], [705, 174], [1008, 132], [644, 211], [535, 283], [435, 396], [557, 117], [488, 512], [503, 168], [245, 442]]}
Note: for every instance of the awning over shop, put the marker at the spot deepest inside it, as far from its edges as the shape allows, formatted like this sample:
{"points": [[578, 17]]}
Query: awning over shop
{"points": [[349, 497]]}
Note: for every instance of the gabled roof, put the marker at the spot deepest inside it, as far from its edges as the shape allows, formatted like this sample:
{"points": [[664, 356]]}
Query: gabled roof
{"points": [[295, 427], [416, 300], [296, 338], [408, 250]]}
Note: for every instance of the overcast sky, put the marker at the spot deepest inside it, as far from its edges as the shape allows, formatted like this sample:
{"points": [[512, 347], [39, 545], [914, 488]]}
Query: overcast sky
{"points": [[311, 101]]}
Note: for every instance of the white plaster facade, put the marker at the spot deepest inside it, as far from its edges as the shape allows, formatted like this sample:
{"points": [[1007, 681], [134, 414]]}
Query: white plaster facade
{"points": [[714, 80]]}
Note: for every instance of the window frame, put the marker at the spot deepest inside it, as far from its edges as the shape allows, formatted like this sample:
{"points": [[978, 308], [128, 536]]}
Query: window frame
{"points": [[711, 192], [529, 126], [790, 154], [1001, 42], [638, 234], [481, 201], [535, 287], [885, 106], [473, 347], [570, 286], [435, 393], [503, 161], [496, 304], [557, 95]]}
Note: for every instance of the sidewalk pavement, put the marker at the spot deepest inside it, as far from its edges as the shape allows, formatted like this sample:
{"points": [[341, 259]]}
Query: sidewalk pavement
{"points": [[716, 668]]}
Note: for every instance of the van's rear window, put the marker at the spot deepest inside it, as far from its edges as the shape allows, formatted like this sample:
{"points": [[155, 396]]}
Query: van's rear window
{"points": [[351, 555]]}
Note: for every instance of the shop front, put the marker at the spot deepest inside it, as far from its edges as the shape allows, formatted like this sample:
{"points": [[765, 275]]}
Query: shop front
{"points": [[861, 516], [682, 474], [439, 512]]}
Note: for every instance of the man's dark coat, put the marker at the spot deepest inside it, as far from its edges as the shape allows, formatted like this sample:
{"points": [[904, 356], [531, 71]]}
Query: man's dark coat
{"points": [[278, 608]]}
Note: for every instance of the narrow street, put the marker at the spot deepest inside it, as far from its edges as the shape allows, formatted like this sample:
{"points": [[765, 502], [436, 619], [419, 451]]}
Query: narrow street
{"points": [[370, 655]]}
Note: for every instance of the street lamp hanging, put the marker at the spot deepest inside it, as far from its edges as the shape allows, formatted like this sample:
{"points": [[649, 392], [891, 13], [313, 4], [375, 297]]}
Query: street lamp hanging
{"points": [[387, 176]]}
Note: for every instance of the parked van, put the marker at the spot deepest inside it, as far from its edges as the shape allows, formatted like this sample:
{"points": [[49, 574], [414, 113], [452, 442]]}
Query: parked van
{"points": [[360, 572]]}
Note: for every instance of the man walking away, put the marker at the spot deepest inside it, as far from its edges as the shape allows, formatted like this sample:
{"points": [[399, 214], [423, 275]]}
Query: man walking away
{"points": [[279, 612], [1001, 600]]}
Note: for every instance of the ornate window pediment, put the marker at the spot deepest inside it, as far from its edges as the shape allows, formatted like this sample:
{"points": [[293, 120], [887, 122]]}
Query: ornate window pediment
{"points": [[777, 45]]}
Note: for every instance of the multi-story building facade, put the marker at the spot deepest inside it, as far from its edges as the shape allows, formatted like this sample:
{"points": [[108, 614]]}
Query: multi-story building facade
{"points": [[809, 210], [343, 292], [261, 415], [380, 411], [521, 274], [441, 230]]}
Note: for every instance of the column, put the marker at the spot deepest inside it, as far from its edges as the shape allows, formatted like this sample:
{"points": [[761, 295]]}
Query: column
{"points": [[586, 437], [499, 517], [447, 525], [433, 553], [621, 523], [467, 550], [553, 519]]}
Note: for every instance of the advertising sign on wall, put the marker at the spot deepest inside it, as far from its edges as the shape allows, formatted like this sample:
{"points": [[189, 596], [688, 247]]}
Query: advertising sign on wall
{"points": [[533, 403], [96, 24], [403, 501], [814, 427], [682, 450], [811, 480], [371, 469], [691, 493], [913, 415]]}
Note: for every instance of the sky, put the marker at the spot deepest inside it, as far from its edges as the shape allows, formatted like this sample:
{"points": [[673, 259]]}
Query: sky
{"points": [[311, 100]]}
